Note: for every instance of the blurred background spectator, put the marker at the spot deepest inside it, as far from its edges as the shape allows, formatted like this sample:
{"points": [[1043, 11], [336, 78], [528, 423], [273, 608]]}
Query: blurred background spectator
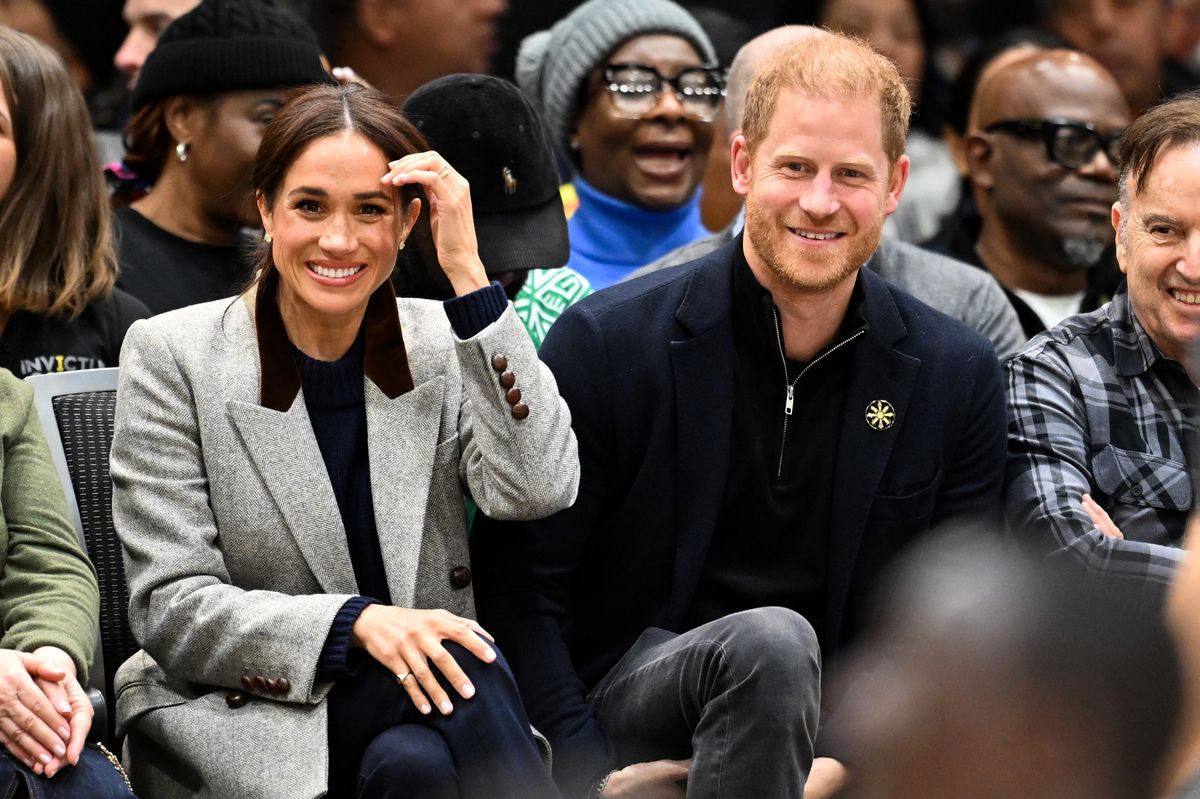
{"points": [[84, 35], [398, 46], [1130, 38], [1041, 164], [897, 29], [58, 308], [146, 19], [628, 90], [996, 677]]}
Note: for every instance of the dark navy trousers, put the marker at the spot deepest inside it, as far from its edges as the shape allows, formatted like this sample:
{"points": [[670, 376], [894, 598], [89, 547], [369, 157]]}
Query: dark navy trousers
{"points": [[382, 747]]}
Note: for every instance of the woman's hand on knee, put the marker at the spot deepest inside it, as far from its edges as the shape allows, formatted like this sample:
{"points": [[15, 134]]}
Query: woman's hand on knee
{"points": [[31, 728], [409, 643], [69, 698]]}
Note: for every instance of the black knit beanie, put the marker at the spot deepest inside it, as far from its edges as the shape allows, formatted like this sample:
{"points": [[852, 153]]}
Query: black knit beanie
{"points": [[230, 45]]}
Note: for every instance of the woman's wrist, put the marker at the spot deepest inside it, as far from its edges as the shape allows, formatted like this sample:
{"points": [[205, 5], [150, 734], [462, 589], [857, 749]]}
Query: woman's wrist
{"points": [[58, 657], [600, 785], [468, 280]]}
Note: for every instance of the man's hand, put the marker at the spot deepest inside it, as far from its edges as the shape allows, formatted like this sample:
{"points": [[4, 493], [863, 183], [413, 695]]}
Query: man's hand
{"points": [[658, 779], [827, 778], [1100, 518]]}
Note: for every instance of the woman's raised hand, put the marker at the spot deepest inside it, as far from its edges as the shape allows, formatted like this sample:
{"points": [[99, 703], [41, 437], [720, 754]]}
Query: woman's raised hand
{"points": [[44, 714], [450, 216], [409, 641]]}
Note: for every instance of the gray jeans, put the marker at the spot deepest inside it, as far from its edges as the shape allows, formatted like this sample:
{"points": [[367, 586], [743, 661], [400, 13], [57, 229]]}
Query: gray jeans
{"points": [[740, 696]]}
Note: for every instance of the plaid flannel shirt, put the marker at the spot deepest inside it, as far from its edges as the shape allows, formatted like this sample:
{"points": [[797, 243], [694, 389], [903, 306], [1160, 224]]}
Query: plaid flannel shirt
{"points": [[1095, 407]]}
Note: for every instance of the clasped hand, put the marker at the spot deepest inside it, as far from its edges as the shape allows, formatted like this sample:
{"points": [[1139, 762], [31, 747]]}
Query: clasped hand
{"points": [[450, 216], [44, 713], [407, 641]]}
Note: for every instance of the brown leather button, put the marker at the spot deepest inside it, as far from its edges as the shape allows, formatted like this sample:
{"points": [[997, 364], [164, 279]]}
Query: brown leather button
{"points": [[513, 396], [520, 411], [499, 363], [460, 577], [282, 686], [260, 682], [236, 699], [247, 682], [508, 379]]}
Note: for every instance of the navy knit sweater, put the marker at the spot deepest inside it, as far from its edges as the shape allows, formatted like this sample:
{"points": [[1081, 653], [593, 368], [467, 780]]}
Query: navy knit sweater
{"points": [[333, 395]]}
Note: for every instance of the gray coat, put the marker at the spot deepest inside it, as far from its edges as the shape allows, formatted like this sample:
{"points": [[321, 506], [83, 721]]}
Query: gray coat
{"points": [[235, 551], [970, 295]]}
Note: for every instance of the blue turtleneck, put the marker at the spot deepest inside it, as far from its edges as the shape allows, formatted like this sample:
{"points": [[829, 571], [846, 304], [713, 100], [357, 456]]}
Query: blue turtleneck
{"points": [[611, 238]]}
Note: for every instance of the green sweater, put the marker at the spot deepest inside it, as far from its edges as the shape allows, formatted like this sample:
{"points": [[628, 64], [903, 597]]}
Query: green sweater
{"points": [[48, 593]]}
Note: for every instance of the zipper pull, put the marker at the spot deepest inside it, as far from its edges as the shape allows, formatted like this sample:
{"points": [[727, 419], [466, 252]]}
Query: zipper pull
{"points": [[791, 400]]}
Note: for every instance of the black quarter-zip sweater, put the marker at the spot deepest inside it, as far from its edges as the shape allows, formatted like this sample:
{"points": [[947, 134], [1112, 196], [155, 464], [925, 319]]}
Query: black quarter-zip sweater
{"points": [[771, 543]]}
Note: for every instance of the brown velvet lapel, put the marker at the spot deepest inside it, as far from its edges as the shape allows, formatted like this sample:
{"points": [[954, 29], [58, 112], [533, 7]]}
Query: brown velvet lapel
{"points": [[385, 361]]}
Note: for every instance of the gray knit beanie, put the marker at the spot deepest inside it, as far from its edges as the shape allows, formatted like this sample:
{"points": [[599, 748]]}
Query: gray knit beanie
{"points": [[552, 64]]}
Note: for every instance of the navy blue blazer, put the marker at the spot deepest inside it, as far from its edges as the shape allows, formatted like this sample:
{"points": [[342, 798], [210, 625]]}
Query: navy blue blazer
{"points": [[647, 370]]}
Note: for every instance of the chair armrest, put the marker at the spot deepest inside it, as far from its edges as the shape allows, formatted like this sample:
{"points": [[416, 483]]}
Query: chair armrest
{"points": [[100, 719]]}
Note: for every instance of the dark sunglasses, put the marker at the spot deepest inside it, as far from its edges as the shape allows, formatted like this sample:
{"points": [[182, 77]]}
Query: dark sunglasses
{"points": [[1069, 143], [635, 89]]}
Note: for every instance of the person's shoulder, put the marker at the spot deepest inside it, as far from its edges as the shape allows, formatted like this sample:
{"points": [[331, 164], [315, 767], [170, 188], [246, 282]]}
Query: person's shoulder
{"points": [[930, 330], [656, 293], [194, 327], [118, 309], [900, 259], [424, 320], [685, 253]]}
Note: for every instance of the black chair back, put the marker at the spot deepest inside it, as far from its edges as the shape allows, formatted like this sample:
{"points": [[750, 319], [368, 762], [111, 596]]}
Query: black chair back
{"points": [[76, 410]]}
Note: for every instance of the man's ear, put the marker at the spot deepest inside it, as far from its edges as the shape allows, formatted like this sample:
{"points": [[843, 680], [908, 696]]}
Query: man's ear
{"points": [[1122, 254], [740, 165], [184, 117], [378, 21], [896, 183], [980, 156]]}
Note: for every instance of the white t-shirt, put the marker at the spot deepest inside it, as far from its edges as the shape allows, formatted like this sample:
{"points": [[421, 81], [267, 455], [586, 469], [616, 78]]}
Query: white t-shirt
{"points": [[1051, 308]]}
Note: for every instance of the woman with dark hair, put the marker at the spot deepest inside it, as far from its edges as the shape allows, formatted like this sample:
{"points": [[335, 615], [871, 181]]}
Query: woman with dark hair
{"points": [[289, 472], [201, 102], [628, 90], [58, 309]]}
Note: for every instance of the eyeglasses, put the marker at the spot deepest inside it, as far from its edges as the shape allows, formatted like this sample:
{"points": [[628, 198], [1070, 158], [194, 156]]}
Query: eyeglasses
{"points": [[635, 89], [1069, 144]]}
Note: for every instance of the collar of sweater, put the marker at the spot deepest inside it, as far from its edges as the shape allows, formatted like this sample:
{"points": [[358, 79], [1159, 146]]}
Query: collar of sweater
{"points": [[611, 231]]}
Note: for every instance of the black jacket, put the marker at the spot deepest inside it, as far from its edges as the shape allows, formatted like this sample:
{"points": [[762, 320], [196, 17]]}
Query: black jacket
{"points": [[646, 368]]}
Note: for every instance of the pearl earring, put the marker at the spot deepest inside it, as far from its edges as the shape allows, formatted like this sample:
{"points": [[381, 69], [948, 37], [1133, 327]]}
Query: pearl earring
{"points": [[181, 151], [267, 238], [402, 245]]}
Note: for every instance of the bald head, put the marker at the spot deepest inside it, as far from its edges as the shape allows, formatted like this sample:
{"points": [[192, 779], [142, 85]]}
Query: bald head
{"points": [[747, 61], [1047, 84]]}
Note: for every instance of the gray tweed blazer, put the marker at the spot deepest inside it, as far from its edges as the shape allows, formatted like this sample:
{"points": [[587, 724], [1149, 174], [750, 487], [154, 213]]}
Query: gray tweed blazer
{"points": [[235, 552]]}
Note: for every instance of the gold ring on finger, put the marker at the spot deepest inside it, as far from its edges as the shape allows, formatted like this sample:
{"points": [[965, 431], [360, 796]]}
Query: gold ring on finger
{"points": [[400, 678], [444, 171]]}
